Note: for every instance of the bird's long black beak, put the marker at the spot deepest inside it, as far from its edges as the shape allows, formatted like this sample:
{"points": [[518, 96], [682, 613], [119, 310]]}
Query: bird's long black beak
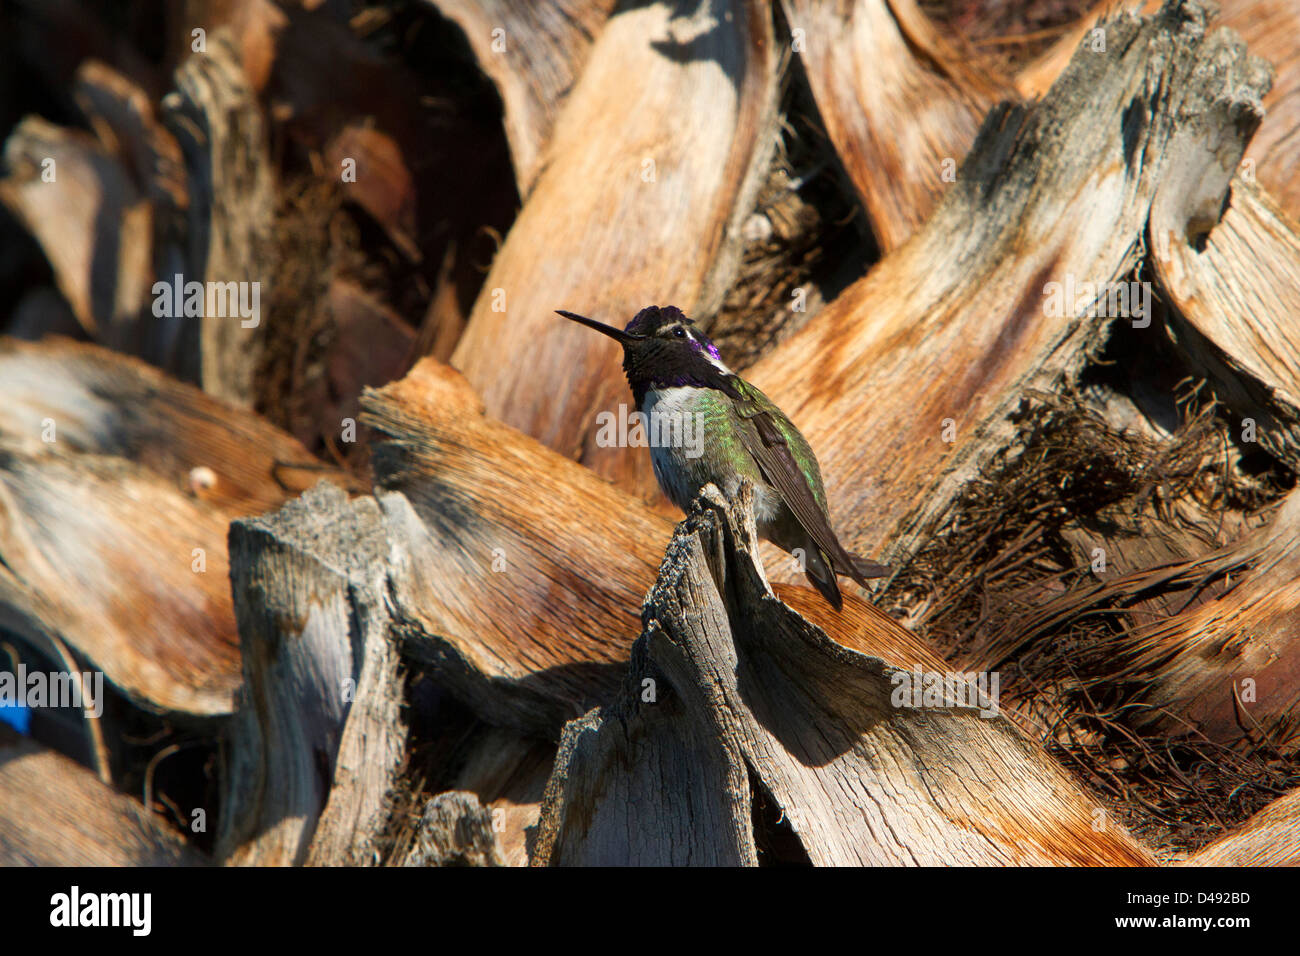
{"points": [[618, 335]]}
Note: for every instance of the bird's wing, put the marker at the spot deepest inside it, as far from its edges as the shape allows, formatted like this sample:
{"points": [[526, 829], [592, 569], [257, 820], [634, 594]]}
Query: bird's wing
{"points": [[778, 451]]}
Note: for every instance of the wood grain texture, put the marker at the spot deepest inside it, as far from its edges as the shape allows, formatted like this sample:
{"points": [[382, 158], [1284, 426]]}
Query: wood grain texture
{"points": [[161, 631], [552, 623], [1269, 838], [1269, 28], [318, 738], [455, 830], [533, 52], [897, 100], [106, 403], [518, 573], [54, 812], [215, 116], [657, 156], [1236, 291], [729, 690], [124, 480], [1197, 661], [952, 329]]}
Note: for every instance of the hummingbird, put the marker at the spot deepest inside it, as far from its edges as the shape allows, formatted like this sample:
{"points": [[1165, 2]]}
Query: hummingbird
{"points": [[674, 370]]}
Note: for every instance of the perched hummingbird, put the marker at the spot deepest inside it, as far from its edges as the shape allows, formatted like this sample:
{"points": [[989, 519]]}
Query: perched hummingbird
{"points": [[674, 370]]}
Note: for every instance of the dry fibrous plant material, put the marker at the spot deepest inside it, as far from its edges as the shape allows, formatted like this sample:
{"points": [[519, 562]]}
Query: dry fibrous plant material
{"points": [[90, 824], [103, 403], [806, 239], [316, 745], [519, 573], [152, 605], [124, 480], [1076, 506], [946, 334], [1235, 289], [1269, 838], [1077, 571], [1011, 34]]}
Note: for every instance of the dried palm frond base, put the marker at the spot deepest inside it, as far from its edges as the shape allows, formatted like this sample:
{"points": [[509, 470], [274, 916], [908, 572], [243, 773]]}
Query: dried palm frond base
{"points": [[805, 241], [1176, 793], [1008, 34], [495, 776], [1056, 560]]}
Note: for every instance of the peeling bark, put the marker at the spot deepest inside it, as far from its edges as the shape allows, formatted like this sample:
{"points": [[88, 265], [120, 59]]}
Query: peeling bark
{"points": [[729, 684], [318, 739]]}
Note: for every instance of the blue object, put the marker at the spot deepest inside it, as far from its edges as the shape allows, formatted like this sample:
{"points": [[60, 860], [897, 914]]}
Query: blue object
{"points": [[16, 716]]}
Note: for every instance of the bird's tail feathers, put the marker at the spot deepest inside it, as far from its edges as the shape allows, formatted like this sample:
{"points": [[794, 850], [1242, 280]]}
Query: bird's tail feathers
{"points": [[828, 587], [868, 569]]}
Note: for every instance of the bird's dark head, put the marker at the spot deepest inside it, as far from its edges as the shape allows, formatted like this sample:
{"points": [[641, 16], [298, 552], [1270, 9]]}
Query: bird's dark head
{"points": [[662, 348]]}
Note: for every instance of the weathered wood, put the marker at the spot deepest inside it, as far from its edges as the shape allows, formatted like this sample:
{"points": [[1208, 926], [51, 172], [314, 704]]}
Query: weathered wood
{"points": [[656, 160], [900, 104], [731, 694], [1036, 77], [588, 819], [318, 738], [728, 722], [533, 53], [151, 604], [1200, 660], [514, 571], [1269, 29], [104, 403], [455, 830], [124, 480], [919, 368], [218, 122], [371, 345], [1228, 261], [109, 219], [518, 573], [508, 774], [1269, 838], [54, 812], [90, 219], [1235, 284]]}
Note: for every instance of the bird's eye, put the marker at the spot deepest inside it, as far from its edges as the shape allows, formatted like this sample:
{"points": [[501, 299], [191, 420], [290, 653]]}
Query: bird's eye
{"points": [[679, 332]]}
